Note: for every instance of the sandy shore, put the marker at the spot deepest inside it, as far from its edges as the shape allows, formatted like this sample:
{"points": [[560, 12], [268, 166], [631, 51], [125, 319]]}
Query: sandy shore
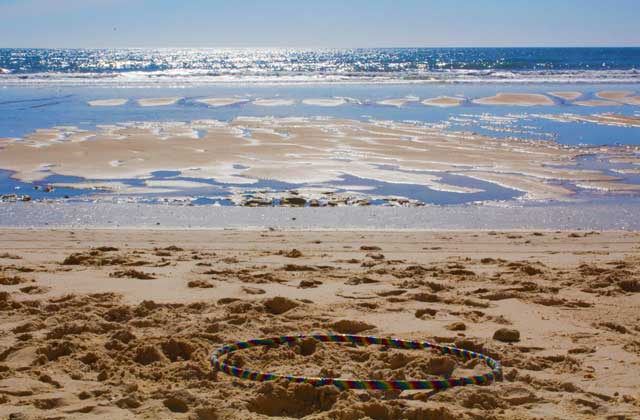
{"points": [[602, 119], [324, 102], [443, 101], [119, 323], [597, 102], [302, 150], [518, 99], [551, 216], [397, 102], [219, 102], [615, 95], [566, 95], [158, 101], [274, 102], [108, 102]]}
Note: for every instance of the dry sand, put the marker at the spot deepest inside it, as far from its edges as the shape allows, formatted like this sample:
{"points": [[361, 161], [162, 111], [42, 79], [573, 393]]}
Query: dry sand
{"points": [[158, 101], [443, 101], [119, 324], [518, 99], [108, 102]]}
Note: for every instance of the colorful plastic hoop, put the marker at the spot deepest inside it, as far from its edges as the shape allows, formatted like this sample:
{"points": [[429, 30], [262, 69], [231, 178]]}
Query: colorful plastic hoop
{"points": [[433, 384]]}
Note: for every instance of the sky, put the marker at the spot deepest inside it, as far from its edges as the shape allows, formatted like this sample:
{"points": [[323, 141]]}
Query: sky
{"points": [[325, 23]]}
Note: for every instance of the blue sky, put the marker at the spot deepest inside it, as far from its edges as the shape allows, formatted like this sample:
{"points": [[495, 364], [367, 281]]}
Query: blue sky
{"points": [[326, 23]]}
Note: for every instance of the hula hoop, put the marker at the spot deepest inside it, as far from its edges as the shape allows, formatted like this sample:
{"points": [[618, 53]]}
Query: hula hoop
{"points": [[400, 385]]}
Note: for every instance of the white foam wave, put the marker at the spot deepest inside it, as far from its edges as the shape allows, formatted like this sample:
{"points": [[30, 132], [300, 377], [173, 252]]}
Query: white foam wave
{"points": [[172, 78]]}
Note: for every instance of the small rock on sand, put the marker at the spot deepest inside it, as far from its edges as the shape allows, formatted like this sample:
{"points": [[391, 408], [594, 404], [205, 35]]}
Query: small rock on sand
{"points": [[199, 284], [179, 402], [294, 253], [425, 311], [347, 326], [309, 284], [508, 335], [630, 285], [279, 305], [253, 290], [457, 326], [370, 248], [308, 346]]}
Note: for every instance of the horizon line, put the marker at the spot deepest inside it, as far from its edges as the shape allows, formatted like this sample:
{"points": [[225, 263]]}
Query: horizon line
{"points": [[327, 47]]}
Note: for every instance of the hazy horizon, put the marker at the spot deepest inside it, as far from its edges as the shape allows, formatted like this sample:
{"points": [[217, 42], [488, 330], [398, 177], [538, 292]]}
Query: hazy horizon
{"points": [[222, 47]]}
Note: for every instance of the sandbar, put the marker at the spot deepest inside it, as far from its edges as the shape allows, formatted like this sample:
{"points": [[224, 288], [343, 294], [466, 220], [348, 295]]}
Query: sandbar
{"points": [[274, 102], [569, 96], [622, 96], [632, 100], [517, 99], [158, 101], [304, 151], [596, 102], [324, 102], [443, 101], [397, 102], [219, 102], [603, 119], [108, 102], [614, 95]]}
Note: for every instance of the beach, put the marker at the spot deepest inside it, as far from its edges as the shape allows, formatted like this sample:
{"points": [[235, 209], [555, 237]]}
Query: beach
{"points": [[120, 323], [309, 154], [157, 205]]}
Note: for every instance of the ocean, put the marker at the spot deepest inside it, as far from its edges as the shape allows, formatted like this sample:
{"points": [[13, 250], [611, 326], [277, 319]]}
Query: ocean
{"points": [[41, 89], [149, 67]]}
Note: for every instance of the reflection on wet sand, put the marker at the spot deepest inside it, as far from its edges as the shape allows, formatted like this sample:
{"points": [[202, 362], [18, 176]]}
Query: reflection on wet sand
{"points": [[603, 119], [304, 151]]}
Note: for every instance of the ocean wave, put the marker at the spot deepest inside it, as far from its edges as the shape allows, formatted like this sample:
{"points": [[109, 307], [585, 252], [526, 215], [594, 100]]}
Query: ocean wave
{"points": [[204, 77], [149, 67]]}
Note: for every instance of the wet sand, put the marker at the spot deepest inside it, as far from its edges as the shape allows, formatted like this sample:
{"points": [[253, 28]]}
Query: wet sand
{"points": [[119, 323], [597, 102], [301, 150], [603, 119], [615, 95], [219, 102], [443, 101], [397, 102], [551, 216], [108, 102], [569, 96], [324, 102], [518, 99], [274, 102], [158, 101]]}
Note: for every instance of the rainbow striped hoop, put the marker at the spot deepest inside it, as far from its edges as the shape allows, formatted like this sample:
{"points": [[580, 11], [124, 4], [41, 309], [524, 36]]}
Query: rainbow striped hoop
{"points": [[434, 384]]}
